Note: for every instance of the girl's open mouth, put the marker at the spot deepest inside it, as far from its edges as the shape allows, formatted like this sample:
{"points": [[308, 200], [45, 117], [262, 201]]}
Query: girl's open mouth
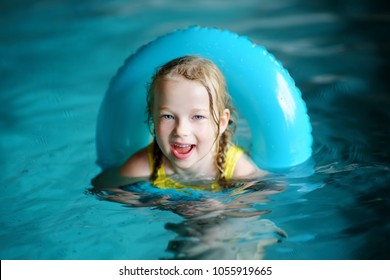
{"points": [[182, 151]]}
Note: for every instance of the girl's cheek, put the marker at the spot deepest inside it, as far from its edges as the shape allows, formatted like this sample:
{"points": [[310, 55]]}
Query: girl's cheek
{"points": [[208, 129], [159, 128], [163, 128]]}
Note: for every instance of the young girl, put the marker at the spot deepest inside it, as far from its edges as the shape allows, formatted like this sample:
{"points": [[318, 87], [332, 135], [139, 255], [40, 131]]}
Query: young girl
{"points": [[190, 115]]}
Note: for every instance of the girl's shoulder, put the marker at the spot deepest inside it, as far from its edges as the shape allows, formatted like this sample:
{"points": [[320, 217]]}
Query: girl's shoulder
{"points": [[137, 165], [245, 168]]}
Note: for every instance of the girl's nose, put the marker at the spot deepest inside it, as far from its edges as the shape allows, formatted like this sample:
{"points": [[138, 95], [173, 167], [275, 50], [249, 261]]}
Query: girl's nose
{"points": [[182, 128]]}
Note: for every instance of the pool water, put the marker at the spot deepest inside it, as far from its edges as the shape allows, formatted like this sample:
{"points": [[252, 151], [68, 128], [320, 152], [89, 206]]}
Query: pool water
{"points": [[57, 60]]}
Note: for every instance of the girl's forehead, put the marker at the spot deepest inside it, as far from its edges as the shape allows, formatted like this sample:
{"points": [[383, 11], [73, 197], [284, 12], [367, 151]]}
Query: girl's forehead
{"points": [[183, 94], [182, 91], [176, 80]]}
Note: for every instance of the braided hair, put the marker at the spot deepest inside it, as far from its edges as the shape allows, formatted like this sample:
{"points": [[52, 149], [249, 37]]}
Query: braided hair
{"points": [[205, 72]]}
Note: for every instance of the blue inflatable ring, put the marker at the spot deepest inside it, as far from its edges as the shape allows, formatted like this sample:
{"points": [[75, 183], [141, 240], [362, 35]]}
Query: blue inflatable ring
{"points": [[262, 91]]}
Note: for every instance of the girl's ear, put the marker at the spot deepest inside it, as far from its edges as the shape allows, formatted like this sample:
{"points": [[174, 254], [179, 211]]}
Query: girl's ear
{"points": [[224, 121]]}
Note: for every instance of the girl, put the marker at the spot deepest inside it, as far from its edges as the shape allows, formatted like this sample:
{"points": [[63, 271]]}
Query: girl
{"points": [[192, 120]]}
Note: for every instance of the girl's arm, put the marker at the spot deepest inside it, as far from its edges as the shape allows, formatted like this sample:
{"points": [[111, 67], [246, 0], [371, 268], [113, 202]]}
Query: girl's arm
{"points": [[137, 165], [246, 168], [135, 169]]}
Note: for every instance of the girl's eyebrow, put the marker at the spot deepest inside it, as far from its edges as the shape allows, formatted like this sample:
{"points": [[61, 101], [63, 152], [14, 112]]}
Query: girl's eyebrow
{"points": [[200, 110], [162, 108]]}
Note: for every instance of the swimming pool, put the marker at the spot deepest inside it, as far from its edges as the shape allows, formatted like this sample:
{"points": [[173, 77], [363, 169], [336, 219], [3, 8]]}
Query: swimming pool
{"points": [[57, 60]]}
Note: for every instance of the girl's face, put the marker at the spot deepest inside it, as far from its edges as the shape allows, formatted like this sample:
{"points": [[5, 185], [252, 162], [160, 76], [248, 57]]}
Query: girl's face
{"points": [[185, 129]]}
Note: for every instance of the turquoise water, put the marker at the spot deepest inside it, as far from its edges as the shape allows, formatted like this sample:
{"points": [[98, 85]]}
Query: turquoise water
{"points": [[57, 60]]}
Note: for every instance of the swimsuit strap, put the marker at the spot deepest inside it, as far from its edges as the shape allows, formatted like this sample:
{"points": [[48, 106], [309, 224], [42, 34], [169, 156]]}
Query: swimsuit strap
{"points": [[232, 156], [161, 170], [161, 181]]}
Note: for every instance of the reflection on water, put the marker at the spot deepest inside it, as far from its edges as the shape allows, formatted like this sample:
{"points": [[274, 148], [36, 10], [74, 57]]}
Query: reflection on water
{"points": [[224, 225], [223, 238]]}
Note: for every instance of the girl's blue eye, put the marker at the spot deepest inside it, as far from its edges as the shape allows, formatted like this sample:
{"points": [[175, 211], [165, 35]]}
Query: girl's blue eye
{"points": [[167, 117], [198, 117]]}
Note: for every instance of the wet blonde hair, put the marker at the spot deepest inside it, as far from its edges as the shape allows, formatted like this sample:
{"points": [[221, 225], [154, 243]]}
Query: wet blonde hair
{"points": [[205, 72]]}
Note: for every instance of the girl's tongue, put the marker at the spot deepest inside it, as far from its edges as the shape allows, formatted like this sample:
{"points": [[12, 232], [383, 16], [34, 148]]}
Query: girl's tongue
{"points": [[182, 151]]}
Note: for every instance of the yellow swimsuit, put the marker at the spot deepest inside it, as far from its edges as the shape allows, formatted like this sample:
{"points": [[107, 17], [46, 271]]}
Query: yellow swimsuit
{"points": [[164, 182]]}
